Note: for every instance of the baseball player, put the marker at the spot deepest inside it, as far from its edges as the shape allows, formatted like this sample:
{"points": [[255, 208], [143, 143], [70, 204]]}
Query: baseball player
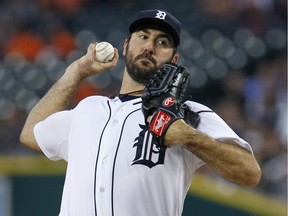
{"points": [[135, 153]]}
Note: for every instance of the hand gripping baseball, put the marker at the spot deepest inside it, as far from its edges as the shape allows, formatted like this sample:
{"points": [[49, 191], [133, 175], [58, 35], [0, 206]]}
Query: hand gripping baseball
{"points": [[163, 99]]}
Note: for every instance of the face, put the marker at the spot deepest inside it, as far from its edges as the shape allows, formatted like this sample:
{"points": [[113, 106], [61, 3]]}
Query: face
{"points": [[146, 51]]}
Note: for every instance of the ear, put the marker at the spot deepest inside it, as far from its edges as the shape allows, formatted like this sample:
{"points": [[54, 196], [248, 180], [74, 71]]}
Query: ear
{"points": [[175, 58], [125, 45]]}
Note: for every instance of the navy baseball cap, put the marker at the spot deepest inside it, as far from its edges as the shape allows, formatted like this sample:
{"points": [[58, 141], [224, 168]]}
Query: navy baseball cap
{"points": [[159, 19]]}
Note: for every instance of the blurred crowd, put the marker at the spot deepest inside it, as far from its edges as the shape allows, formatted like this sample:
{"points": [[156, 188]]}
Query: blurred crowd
{"points": [[236, 51]]}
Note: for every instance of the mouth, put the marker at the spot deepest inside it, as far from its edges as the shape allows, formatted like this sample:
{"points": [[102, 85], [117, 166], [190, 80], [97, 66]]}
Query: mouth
{"points": [[146, 59], [146, 64]]}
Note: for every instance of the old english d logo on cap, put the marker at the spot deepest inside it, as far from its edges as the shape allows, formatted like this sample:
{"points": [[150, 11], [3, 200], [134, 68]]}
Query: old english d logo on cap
{"points": [[158, 19], [160, 15]]}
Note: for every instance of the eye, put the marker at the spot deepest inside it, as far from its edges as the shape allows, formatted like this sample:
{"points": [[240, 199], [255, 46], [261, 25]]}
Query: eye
{"points": [[163, 42], [143, 36]]}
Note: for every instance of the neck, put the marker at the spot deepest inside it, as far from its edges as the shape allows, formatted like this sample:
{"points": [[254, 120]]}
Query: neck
{"points": [[130, 86], [132, 93]]}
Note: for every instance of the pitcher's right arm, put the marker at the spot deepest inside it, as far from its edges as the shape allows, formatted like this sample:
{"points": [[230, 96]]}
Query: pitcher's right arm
{"points": [[60, 94]]}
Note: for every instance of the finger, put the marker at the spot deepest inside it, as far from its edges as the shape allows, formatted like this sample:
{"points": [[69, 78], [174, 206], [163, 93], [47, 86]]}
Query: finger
{"points": [[116, 56], [91, 48], [114, 61]]}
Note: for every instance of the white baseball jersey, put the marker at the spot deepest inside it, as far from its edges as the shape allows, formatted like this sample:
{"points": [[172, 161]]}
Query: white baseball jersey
{"points": [[113, 167]]}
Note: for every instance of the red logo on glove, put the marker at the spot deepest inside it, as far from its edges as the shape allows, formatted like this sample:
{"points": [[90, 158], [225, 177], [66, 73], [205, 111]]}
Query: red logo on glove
{"points": [[159, 123], [168, 101]]}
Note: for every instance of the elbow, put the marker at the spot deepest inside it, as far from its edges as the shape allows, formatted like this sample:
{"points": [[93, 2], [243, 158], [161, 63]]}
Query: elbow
{"points": [[23, 138], [249, 176], [251, 173], [29, 141], [254, 172], [252, 177], [255, 177]]}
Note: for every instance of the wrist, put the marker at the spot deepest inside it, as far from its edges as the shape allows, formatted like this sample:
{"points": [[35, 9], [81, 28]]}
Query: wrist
{"points": [[177, 133]]}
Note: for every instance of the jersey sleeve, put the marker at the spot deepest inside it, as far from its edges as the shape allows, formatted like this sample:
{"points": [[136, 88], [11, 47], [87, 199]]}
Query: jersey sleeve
{"points": [[214, 126], [52, 135]]}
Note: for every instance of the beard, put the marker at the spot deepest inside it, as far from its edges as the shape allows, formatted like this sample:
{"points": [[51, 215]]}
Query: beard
{"points": [[140, 71]]}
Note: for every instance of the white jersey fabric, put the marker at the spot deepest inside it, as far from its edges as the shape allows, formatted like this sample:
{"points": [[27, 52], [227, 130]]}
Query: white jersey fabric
{"points": [[113, 167]]}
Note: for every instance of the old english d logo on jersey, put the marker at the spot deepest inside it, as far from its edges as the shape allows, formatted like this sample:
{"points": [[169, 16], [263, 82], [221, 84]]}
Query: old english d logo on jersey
{"points": [[148, 153]]}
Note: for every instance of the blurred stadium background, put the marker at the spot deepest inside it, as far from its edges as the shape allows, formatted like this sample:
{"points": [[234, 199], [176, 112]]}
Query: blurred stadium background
{"points": [[235, 49]]}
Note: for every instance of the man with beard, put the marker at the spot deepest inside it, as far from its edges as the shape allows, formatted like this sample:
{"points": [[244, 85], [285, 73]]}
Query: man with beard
{"points": [[114, 167]]}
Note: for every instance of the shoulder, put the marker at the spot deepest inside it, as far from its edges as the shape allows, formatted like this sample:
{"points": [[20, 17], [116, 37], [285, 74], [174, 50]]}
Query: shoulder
{"points": [[198, 107], [92, 101]]}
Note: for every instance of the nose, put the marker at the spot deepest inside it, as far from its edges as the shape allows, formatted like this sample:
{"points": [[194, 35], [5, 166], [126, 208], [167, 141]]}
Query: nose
{"points": [[149, 48], [149, 51]]}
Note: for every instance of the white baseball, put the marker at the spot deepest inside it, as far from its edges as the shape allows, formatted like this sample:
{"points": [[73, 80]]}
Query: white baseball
{"points": [[104, 52]]}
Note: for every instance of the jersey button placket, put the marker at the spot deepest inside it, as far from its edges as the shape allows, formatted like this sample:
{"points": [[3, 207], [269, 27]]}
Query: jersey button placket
{"points": [[104, 160], [105, 166]]}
